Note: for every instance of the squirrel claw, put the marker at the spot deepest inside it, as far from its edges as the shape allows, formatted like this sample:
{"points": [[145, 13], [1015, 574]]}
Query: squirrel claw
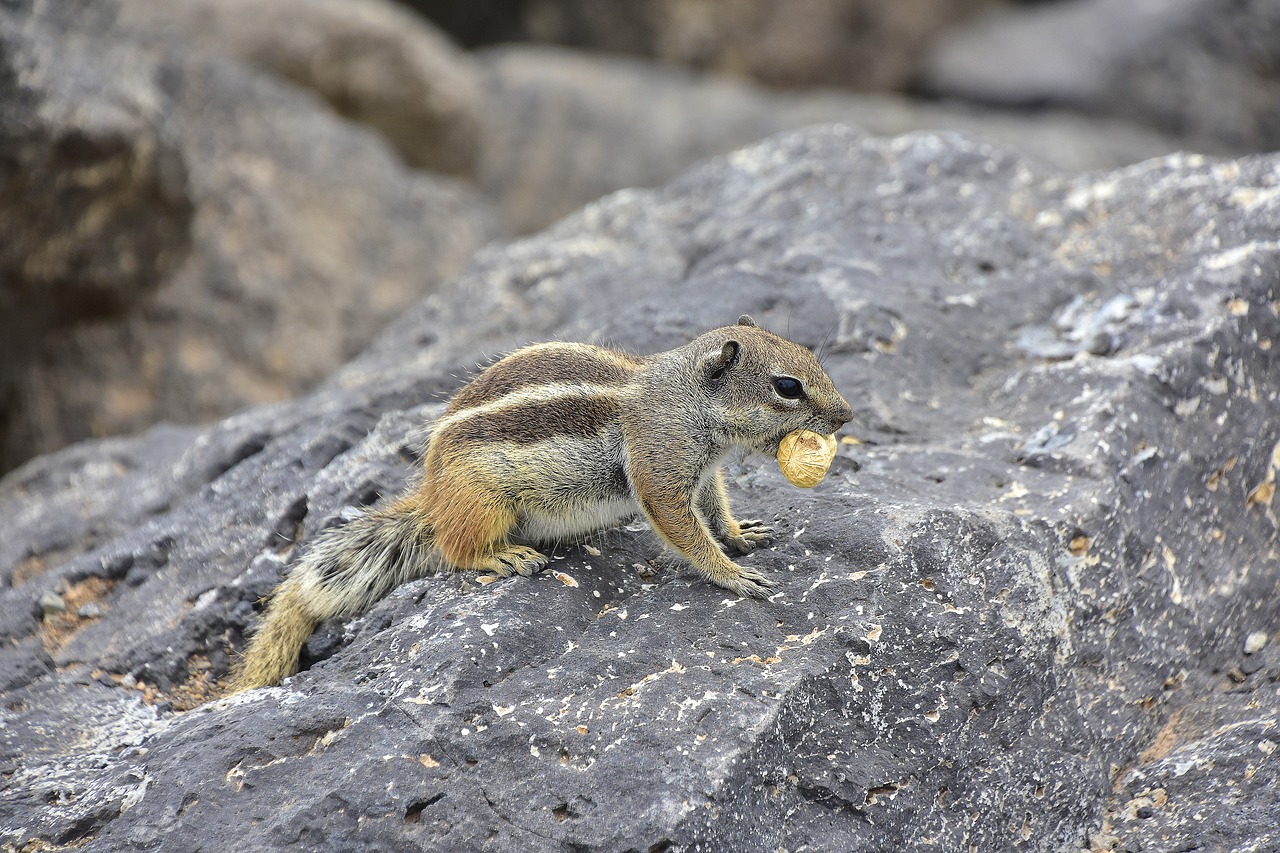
{"points": [[748, 583], [753, 534], [518, 559], [523, 560]]}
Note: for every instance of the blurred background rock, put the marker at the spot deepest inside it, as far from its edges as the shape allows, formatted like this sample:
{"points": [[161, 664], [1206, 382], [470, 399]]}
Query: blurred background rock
{"points": [[208, 204]]}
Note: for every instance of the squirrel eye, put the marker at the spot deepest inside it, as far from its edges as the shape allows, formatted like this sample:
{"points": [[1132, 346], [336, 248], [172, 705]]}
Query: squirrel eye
{"points": [[788, 388]]}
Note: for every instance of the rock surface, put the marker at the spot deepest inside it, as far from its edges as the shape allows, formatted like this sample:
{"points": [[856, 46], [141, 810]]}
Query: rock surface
{"points": [[862, 44], [190, 235], [374, 62], [563, 128], [1020, 624], [1205, 69]]}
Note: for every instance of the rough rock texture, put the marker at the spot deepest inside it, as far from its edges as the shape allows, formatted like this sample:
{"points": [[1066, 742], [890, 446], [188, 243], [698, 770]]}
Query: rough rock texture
{"points": [[563, 127], [374, 62], [1206, 69], [189, 235], [865, 44], [94, 218], [1040, 616]]}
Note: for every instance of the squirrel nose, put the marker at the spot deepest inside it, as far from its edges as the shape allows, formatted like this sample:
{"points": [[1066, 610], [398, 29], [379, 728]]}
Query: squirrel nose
{"points": [[842, 415]]}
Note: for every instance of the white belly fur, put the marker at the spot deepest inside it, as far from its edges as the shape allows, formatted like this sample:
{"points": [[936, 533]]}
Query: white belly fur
{"points": [[541, 527], [576, 489]]}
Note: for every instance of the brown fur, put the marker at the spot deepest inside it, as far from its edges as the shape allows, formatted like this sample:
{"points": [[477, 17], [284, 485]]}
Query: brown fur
{"points": [[545, 364], [534, 421]]}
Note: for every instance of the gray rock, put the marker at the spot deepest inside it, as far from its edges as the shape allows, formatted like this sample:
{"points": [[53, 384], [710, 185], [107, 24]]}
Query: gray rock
{"points": [[563, 128], [92, 610], [1196, 784], [190, 234], [93, 191], [856, 44], [1202, 68], [984, 637], [372, 61], [860, 44], [50, 602]]}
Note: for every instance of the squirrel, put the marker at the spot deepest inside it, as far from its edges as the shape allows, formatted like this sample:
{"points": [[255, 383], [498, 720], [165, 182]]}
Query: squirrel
{"points": [[556, 441]]}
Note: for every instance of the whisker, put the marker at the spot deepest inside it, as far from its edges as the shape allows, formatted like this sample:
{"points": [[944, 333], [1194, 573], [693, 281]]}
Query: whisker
{"points": [[821, 350]]}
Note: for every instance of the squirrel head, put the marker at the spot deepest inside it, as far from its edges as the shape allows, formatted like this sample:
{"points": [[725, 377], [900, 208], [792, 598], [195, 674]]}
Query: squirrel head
{"points": [[764, 386]]}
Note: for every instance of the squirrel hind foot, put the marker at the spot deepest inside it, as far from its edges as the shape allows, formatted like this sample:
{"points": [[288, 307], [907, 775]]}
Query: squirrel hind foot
{"points": [[513, 559], [747, 583]]}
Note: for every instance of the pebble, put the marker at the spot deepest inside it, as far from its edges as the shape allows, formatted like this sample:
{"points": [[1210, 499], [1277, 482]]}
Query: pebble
{"points": [[50, 603], [92, 610], [1255, 642]]}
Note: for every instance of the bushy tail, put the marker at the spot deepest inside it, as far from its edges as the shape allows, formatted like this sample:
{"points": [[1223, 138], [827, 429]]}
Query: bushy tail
{"points": [[346, 571], [273, 652]]}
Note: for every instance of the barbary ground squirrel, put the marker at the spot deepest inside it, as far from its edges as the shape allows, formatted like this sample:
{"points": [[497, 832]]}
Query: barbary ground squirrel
{"points": [[556, 441]]}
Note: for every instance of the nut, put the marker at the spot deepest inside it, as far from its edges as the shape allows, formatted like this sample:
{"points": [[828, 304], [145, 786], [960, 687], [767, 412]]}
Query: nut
{"points": [[805, 456]]}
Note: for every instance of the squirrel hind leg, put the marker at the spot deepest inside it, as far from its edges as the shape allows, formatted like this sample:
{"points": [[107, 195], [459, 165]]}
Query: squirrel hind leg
{"points": [[473, 532]]}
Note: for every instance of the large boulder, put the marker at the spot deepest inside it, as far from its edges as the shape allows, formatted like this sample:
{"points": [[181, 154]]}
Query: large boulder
{"points": [[186, 234], [863, 44], [564, 127], [1034, 609], [1205, 69], [373, 61]]}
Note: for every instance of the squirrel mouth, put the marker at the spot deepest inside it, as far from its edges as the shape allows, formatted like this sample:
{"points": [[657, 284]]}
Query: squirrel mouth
{"points": [[770, 447]]}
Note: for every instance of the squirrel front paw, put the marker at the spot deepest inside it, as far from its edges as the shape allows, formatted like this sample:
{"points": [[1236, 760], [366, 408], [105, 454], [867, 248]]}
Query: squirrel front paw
{"points": [[752, 534]]}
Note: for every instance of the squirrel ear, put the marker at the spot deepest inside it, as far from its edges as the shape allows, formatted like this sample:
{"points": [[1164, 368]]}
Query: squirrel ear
{"points": [[717, 364], [745, 320]]}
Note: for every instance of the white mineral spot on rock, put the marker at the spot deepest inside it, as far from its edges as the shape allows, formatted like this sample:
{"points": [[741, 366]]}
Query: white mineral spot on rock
{"points": [[1145, 453], [1187, 407], [1239, 254], [1016, 490], [1252, 197], [50, 603], [1215, 384], [489, 628], [1255, 642]]}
